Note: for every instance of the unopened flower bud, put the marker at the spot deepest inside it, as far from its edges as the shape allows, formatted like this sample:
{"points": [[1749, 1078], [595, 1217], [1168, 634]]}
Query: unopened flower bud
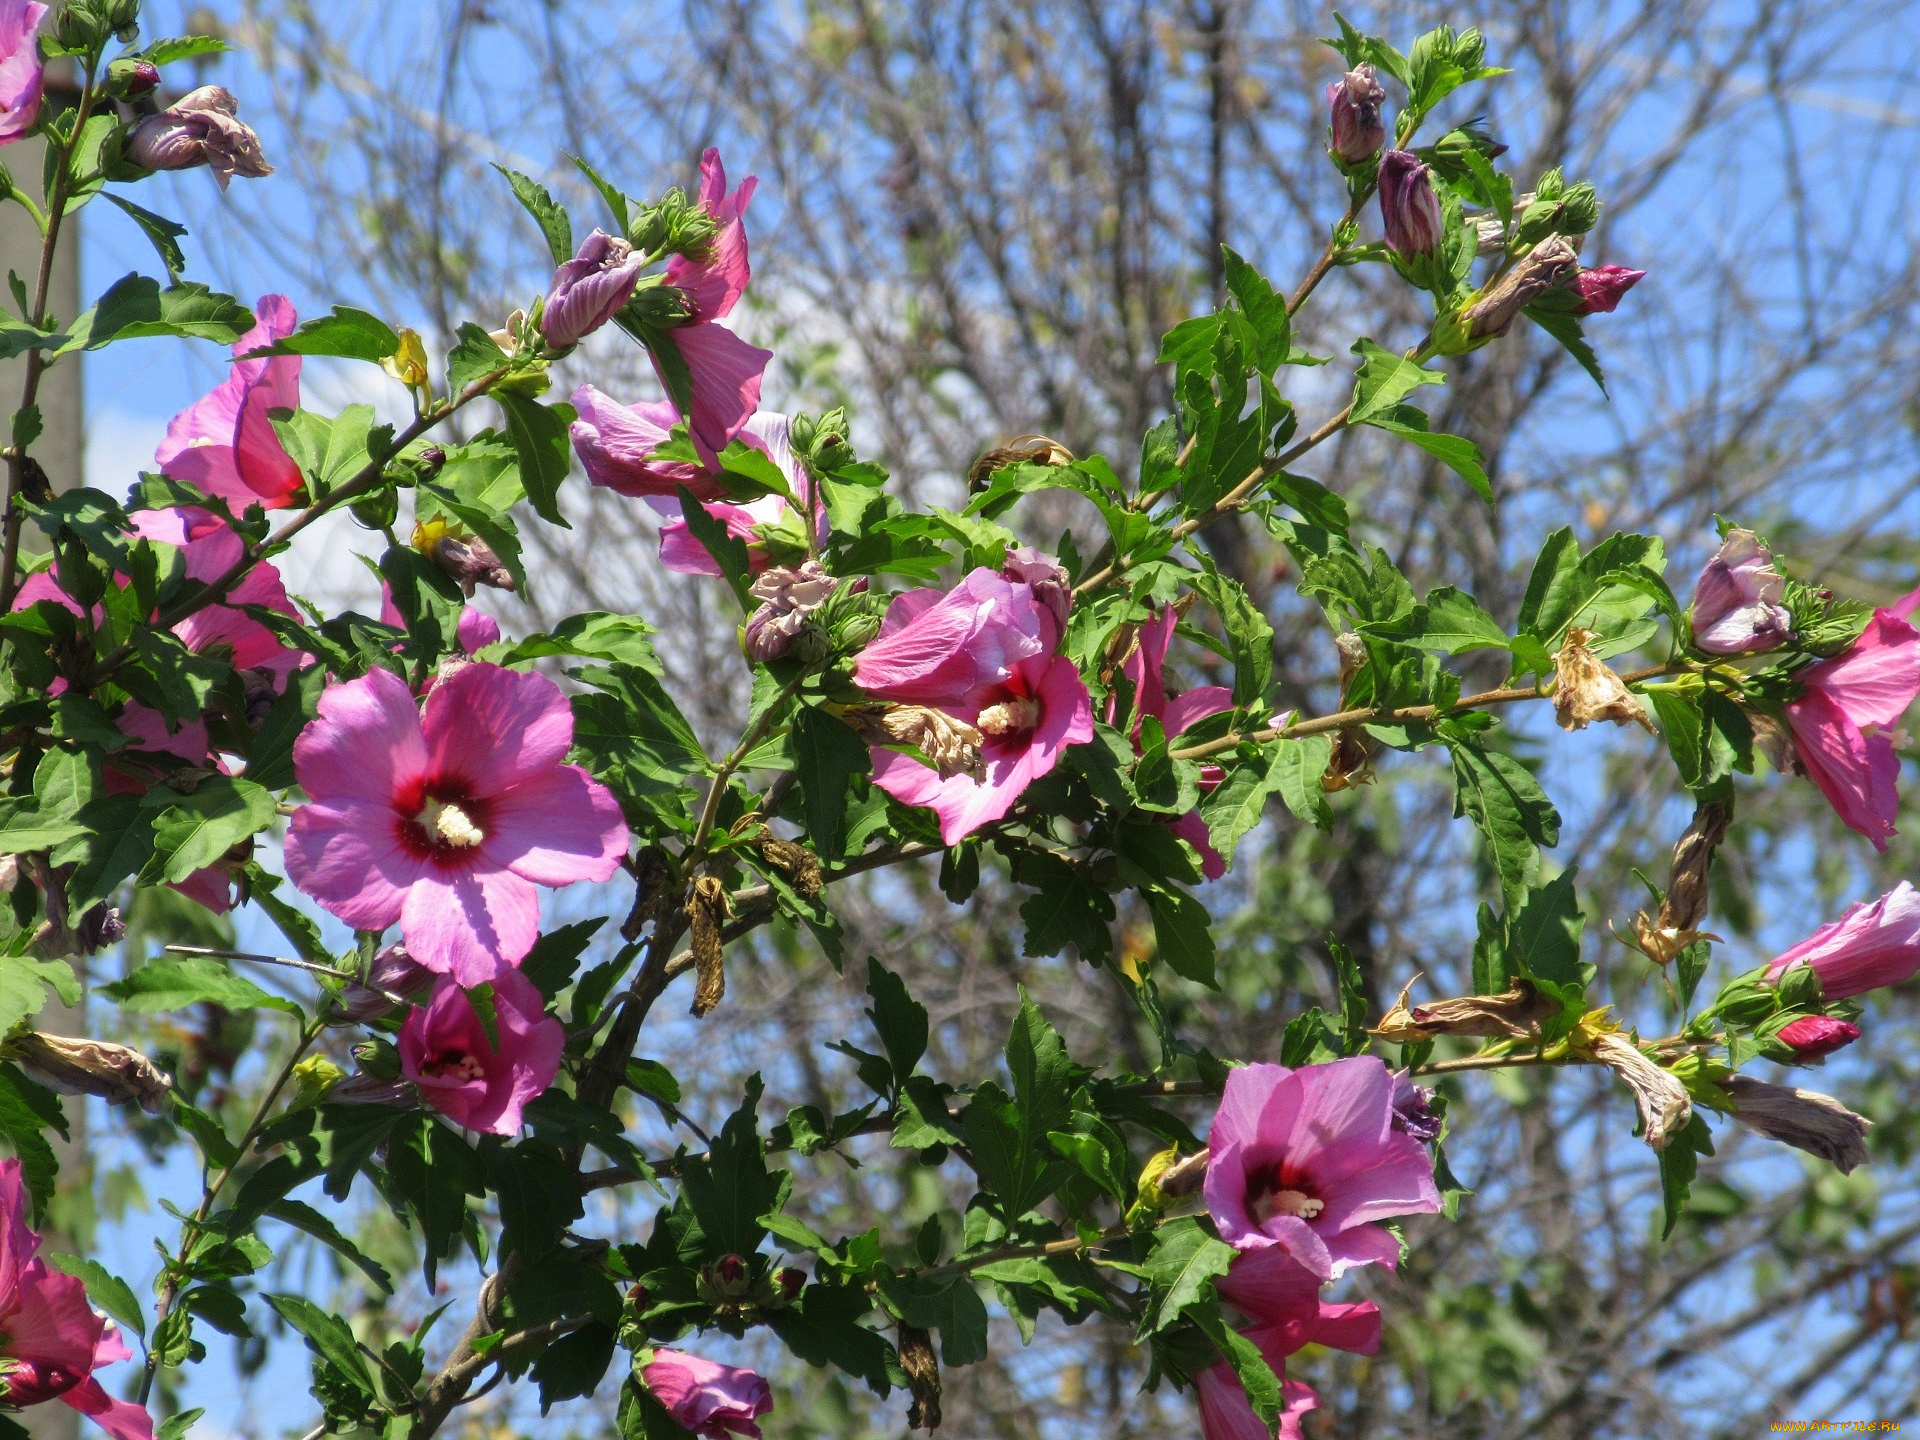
{"points": [[370, 1090], [199, 129], [378, 1059], [1738, 604], [1355, 129], [131, 79], [315, 1078], [1585, 689], [393, 978], [378, 510], [1602, 288], [72, 1066], [1408, 206], [1812, 1036], [788, 595], [790, 1282], [727, 1281], [432, 458], [1804, 1119], [1538, 271], [1664, 1106], [590, 289]]}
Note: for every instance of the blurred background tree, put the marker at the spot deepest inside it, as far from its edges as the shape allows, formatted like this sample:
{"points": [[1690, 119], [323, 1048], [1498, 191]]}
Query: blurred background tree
{"points": [[976, 220]]}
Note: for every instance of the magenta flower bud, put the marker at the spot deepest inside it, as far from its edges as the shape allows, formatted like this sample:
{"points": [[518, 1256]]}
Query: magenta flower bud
{"points": [[1353, 116], [394, 973], [143, 80], [713, 1401], [1868, 947], [1812, 1036], [590, 289], [791, 1282], [1737, 607], [1408, 206], [199, 129], [730, 1272], [1602, 288]]}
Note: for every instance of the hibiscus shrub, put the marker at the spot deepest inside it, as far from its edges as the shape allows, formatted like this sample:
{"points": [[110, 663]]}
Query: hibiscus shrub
{"points": [[927, 688]]}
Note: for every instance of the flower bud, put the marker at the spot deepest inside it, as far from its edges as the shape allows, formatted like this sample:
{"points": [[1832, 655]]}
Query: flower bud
{"points": [[1601, 288], [408, 364], [131, 79], [100, 927], [590, 289], [378, 1059], [378, 510], [1812, 1036], [72, 1066], [315, 1078], [1413, 1112], [393, 978], [1738, 604], [727, 1281], [1585, 690], [370, 1090], [1538, 271], [1664, 1106], [198, 129], [1579, 210], [432, 459], [1354, 127], [789, 1282], [1804, 1119], [1408, 206], [789, 594]]}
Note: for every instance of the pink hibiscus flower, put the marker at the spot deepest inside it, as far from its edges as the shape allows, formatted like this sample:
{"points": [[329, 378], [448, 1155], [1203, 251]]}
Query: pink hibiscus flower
{"points": [[1843, 721], [445, 1052], [767, 431], [209, 548], [726, 371], [707, 1398], [1868, 947], [446, 823], [1308, 1159], [1146, 668], [53, 1340], [225, 441], [983, 653], [22, 76], [616, 445]]}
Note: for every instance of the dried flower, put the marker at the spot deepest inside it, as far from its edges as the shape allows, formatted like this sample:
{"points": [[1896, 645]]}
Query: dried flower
{"points": [[1021, 450], [199, 129], [1804, 1119], [923, 1378], [1514, 1014], [707, 908], [1685, 904], [1535, 273], [788, 595], [1664, 1106], [73, 1066], [467, 558], [952, 745], [1585, 690]]}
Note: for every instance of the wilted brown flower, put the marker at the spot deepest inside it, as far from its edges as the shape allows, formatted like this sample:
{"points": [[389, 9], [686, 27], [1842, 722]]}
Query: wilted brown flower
{"points": [[951, 746], [1685, 906], [1804, 1119], [707, 909], [923, 1378], [1535, 273], [1027, 449], [1514, 1014], [73, 1066], [1585, 690], [1664, 1106]]}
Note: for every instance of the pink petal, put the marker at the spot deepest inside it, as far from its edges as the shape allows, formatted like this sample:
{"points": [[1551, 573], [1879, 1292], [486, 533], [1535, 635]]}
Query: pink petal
{"points": [[1243, 1101], [121, 1419], [259, 458], [726, 373], [616, 442], [474, 925], [365, 744], [495, 728], [349, 856], [1361, 1245], [1876, 680], [1192, 706], [476, 630], [51, 1327], [1857, 773], [556, 828], [1192, 829], [18, 1242], [1145, 667], [1270, 1286]]}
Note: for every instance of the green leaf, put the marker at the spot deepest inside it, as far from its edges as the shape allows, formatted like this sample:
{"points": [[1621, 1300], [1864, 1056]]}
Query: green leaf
{"points": [[104, 1288], [1384, 380], [164, 233], [900, 1020], [305, 1218], [548, 213], [1183, 935], [572, 1367], [634, 726], [1238, 802], [195, 830], [949, 1305], [270, 760], [730, 1187], [1459, 454], [1511, 811], [1068, 908], [135, 307], [348, 333], [1566, 329], [1181, 1267], [539, 434], [826, 757], [1683, 725], [184, 47], [1543, 941], [176, 984], [23, 987], [1017, 1163], [1266, 311], [475, 356], [596, 634], [26, 1110], [328, 1336], [1450, 622], [434, 1170], [539, 1196], [1250, 1367], [1298, 768], [1249, 635], [1679, 1167]]}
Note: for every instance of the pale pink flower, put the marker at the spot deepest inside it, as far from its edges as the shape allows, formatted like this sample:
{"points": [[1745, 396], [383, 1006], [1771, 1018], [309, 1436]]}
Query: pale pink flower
{"points": [[53, 1341], [707, 1398], [445, 1052], [201, 128], [1737, 602], [1868, 947], [725, 370], [616, 445], [225, 441], [446, 823], [1844, 720], [1308, 1159], [1146, 668], [22, 76]]}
